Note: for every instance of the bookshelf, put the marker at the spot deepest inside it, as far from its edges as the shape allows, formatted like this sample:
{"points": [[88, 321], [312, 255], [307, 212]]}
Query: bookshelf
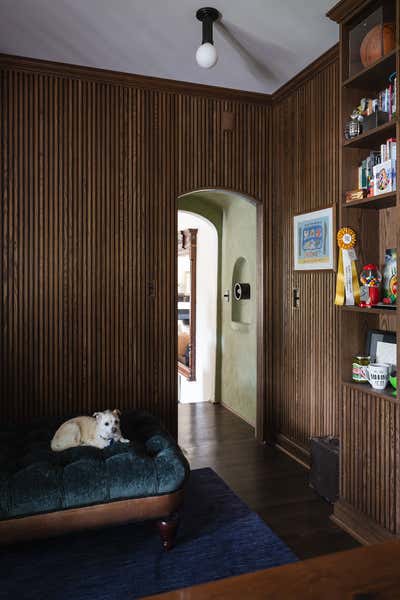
{"points": [[375, 202], [369, 502]]}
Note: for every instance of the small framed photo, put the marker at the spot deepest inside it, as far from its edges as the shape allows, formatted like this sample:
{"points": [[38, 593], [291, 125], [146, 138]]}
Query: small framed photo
{"points": [[313, 240], [381, 346]]}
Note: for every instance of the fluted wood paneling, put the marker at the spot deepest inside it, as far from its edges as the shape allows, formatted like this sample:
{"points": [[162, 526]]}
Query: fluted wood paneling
{"points": [[305, 177], [91, 167], [370, 451]]}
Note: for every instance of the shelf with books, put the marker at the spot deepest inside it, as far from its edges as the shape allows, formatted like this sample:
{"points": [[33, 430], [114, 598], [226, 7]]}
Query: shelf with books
{"points": [[373, 137], [374, 76], [381, 201]]}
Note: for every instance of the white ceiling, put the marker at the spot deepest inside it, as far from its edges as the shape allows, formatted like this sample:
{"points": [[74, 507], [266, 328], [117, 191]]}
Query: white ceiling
{"points": [[261, 43]]}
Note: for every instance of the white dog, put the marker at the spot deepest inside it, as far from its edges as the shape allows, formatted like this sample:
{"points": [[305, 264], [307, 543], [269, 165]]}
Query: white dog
{"points": [[98, 431]]}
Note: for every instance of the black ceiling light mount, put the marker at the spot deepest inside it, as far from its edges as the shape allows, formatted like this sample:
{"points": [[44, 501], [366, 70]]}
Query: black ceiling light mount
{"points": [[206, 55]]}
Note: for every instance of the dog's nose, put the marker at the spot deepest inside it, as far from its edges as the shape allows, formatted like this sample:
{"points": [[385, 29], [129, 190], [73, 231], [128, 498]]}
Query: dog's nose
{"points": [[114, 429]]}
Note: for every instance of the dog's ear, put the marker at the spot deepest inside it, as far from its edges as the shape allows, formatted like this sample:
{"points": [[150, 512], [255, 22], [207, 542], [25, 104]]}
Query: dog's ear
{"points": [[97, 415], [116, 412]]}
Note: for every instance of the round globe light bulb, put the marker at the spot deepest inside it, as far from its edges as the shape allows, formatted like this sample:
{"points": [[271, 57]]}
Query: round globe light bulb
{"points": [[206, 55]]}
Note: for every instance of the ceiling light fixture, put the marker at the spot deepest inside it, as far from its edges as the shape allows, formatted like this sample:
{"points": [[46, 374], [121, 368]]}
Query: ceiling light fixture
{"points": [[206, 55]]}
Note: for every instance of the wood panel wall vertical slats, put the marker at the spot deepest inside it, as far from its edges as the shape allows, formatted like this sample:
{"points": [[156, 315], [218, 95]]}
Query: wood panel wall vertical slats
{"points": [[91, 167], [368, 476], [305, 178]]}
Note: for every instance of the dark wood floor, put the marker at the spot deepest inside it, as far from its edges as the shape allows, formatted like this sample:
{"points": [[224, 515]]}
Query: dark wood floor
{"points": [[271, 483]]}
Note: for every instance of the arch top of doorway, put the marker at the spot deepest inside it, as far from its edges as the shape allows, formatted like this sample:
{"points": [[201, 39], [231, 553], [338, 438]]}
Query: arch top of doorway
{"points": [[199, 216], [215, 190], [263, 427]]}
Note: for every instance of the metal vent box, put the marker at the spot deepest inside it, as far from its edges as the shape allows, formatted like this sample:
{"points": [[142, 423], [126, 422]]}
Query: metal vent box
{"points": [[324, 474]]}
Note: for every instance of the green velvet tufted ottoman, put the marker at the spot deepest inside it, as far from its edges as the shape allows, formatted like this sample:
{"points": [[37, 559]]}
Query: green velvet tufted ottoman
{"points": [[45, 493]]}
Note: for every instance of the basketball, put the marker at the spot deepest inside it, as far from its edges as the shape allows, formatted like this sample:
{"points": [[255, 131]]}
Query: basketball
{"points": [[371, 46]]}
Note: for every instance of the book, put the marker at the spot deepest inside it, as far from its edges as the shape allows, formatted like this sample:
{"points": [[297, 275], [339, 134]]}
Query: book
{"points": [[384, 177], [389, 275]]}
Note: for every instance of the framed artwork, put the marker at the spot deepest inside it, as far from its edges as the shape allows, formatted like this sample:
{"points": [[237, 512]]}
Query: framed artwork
{"points": [[381, 346], [313, 240]]}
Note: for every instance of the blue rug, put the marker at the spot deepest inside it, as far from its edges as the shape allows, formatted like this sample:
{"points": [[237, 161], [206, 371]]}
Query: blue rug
{"points": [[219, 537]]}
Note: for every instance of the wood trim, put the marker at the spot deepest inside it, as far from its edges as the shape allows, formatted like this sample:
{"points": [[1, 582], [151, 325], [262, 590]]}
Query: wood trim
{"points": [[359, 525], [371, 572], [321, 63], [263, 396], [190, 249], [88, 517], [238, 415], [346, 9], [58, 69], [295, 451]]}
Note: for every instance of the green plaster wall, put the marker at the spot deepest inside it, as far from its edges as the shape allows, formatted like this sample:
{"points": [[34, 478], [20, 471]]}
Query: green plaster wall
{"points": [[238, 343], [236, 359]]}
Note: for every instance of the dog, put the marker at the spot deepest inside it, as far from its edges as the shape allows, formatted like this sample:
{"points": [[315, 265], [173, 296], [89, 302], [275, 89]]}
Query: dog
{"points": [[100, 431]]}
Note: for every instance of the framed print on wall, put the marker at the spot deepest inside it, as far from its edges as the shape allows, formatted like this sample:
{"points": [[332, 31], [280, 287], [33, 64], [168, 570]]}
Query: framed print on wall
{"points": [[313, 240]]}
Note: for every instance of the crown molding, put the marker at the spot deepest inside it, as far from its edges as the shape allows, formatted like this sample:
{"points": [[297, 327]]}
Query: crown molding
{"points": [[329, 57], [346, 9], [58, 69]]}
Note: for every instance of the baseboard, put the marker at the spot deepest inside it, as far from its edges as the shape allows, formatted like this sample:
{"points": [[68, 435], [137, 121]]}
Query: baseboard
{"points": [[358, 525], [237, 414], [296, 452]]}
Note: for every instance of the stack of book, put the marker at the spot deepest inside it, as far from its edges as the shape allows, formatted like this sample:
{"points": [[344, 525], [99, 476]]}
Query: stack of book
{"points": [[377, 173], [387, 99], [386, 102]]}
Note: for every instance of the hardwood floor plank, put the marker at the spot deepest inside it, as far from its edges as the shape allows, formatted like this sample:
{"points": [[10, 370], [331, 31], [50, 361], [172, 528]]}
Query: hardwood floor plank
{"points": [[272, 484]]}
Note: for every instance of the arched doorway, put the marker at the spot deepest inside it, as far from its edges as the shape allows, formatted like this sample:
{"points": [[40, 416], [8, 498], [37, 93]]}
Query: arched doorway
{"points": [[240, 370]]}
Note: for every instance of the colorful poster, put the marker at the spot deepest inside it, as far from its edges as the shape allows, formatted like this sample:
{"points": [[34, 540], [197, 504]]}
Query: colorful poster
{"points": [[313, 240]]}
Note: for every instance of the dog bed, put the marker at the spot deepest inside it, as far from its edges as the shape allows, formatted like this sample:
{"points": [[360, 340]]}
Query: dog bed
{"points": [[34, 480]]}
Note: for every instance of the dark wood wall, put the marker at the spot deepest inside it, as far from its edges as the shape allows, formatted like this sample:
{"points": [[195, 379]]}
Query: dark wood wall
{"points": [[305, 178], [91, 165]]}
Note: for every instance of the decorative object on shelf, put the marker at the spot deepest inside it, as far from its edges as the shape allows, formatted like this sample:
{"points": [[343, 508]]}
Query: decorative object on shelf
{"points": [[369, 171], [373, 112], [347, 287], [371, 278], [358, 363], [389, 281], [384, 178], [374, 120], [354, 195], [393, 383], [352, 129], [380, 40], [377, 375], [313, 240], [381, 347]]}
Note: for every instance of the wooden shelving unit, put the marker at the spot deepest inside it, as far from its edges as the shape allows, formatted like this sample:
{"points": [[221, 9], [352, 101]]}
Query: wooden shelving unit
{"points": [[374, 310], [375, 202], [375, 74], [364, 388], [369, 502], [374, 137]]}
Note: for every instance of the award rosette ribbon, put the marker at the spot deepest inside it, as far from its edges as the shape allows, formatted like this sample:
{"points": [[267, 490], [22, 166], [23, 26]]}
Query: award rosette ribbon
{"points": [[347, 286]]}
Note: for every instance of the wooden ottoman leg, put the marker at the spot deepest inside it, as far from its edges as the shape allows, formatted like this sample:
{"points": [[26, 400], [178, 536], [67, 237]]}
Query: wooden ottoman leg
{"points": [[167, 528]]}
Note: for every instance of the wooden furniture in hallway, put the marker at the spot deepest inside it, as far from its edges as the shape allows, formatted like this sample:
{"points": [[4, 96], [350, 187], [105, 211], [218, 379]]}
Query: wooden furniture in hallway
{"points": [[369, 503]]}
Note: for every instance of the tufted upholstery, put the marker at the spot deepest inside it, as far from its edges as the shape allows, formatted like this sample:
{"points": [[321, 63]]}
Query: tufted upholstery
{"points": [[33, 479]]}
